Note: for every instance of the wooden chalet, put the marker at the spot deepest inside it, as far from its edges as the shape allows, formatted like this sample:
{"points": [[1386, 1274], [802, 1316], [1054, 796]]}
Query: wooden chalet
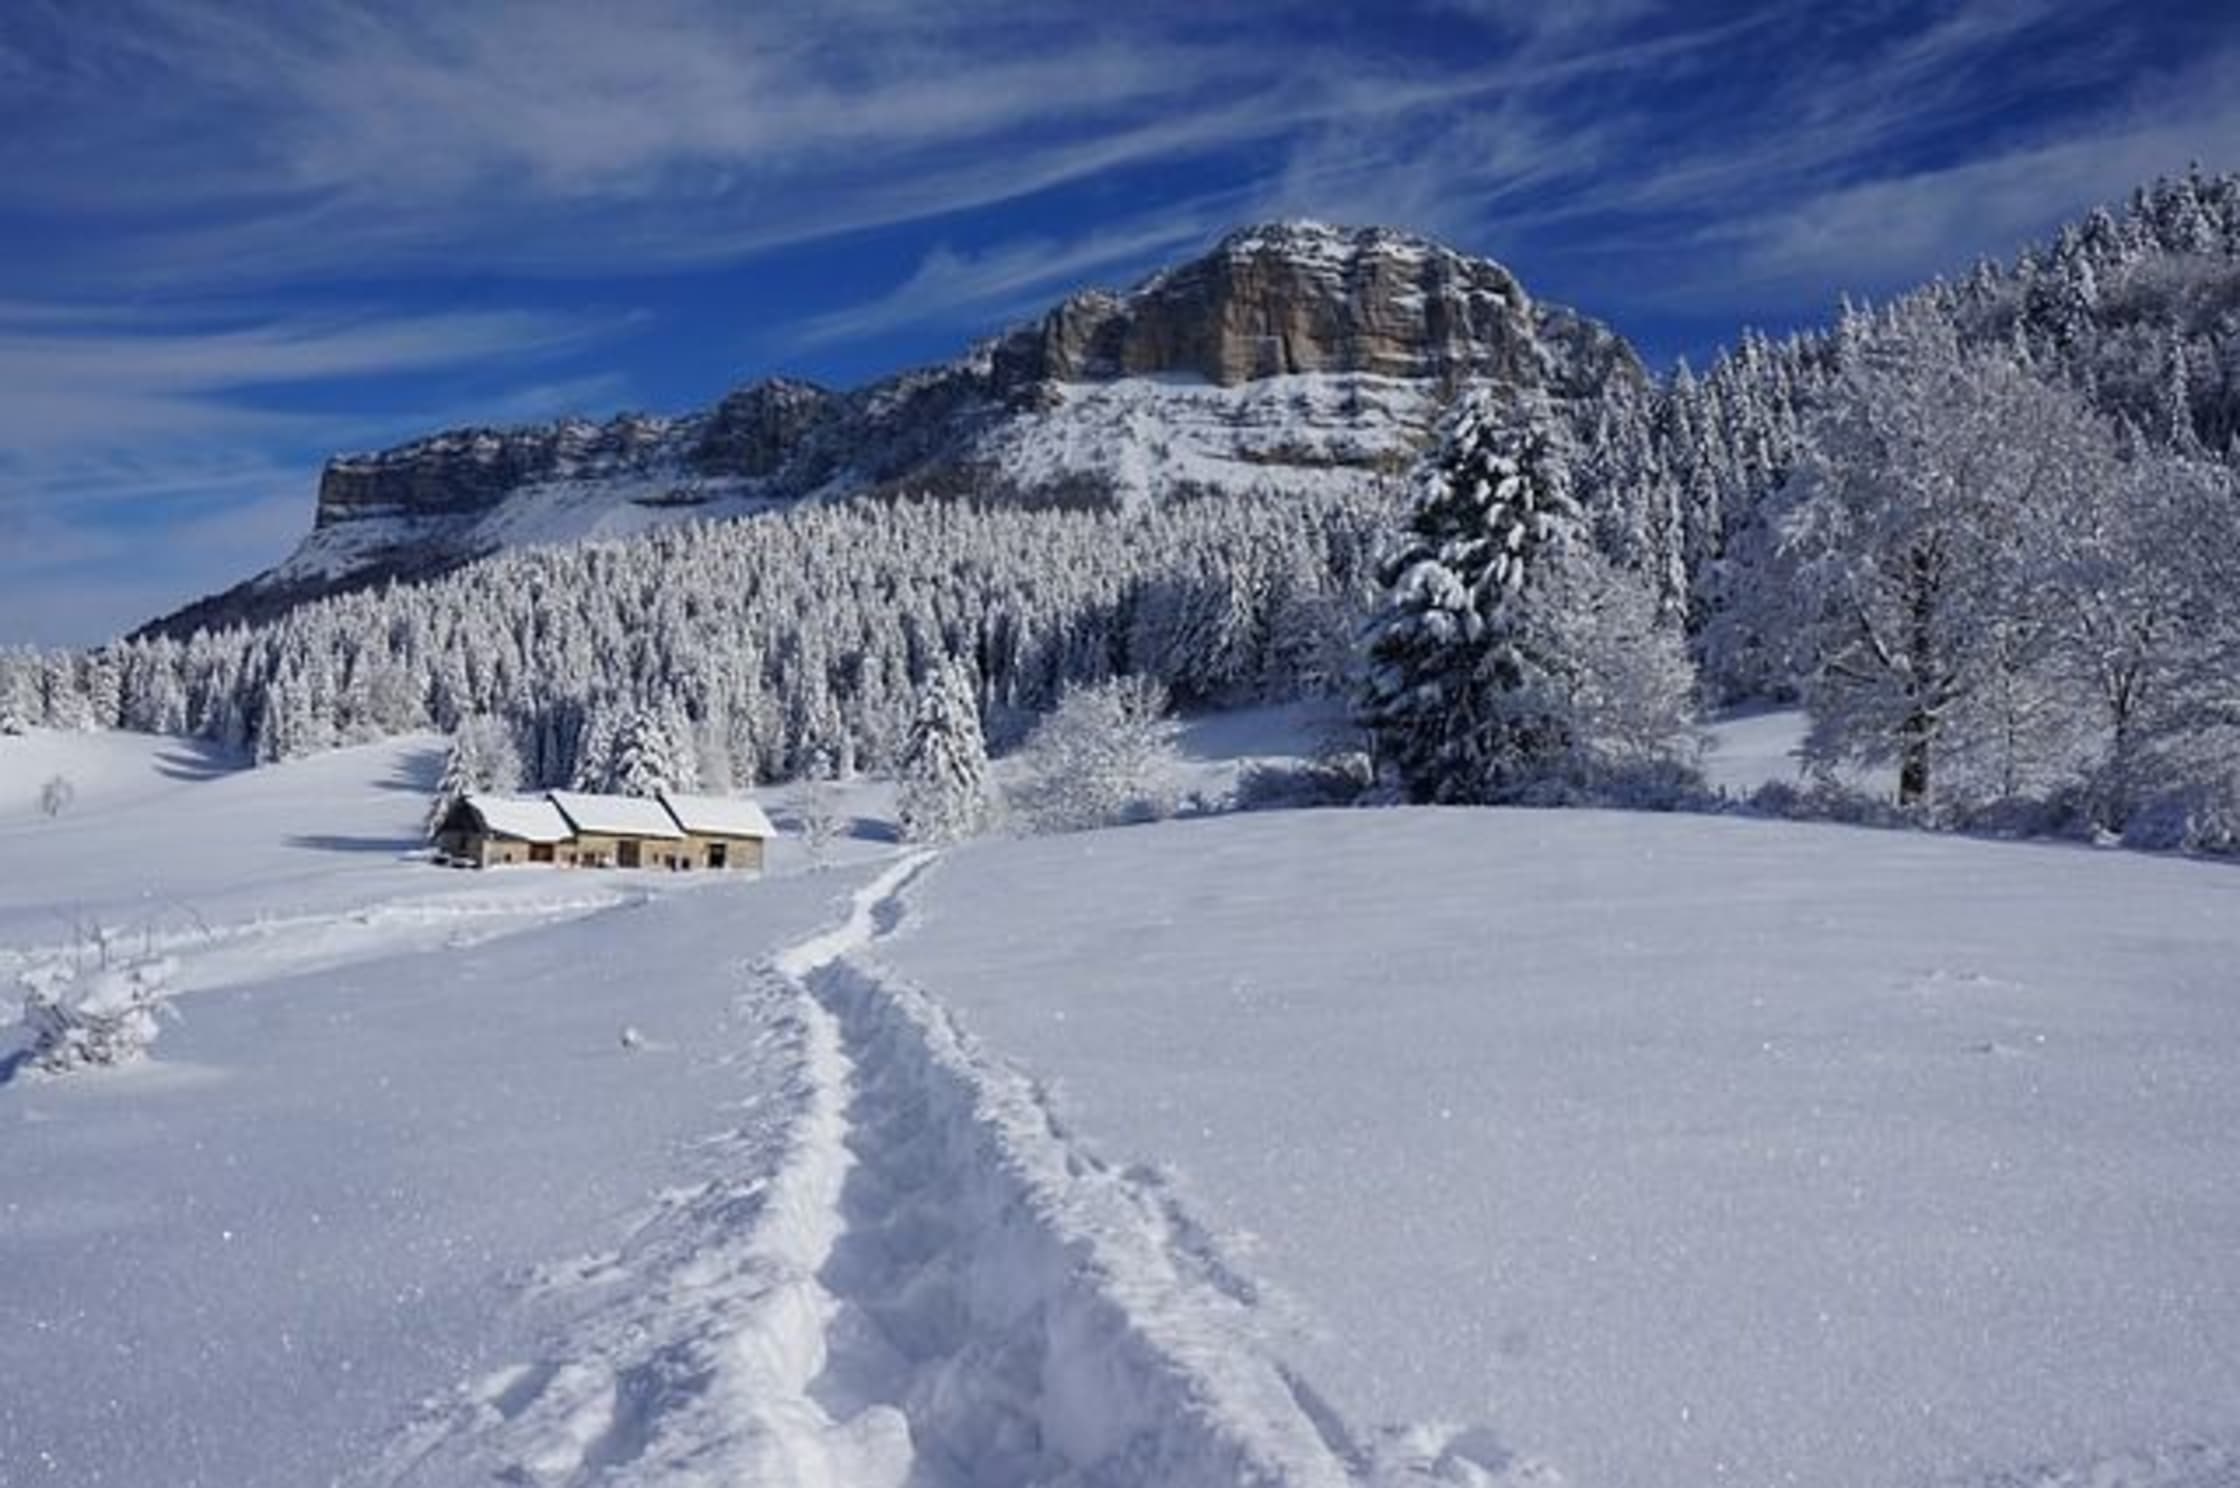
{"points": [[576, 829]]}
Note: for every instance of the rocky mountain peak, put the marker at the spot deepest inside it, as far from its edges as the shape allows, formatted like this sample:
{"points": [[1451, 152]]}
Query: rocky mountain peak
{"points": [[1289, 356], [1283, 298]]}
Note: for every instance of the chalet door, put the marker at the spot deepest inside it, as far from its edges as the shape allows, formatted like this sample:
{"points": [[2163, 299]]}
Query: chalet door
{"points": [[540, 852], [626, 854], [718, 853]]}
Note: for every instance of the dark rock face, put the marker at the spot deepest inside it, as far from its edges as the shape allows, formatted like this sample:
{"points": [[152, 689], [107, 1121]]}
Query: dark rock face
{"points": [[753, 431], [1107, 398]]}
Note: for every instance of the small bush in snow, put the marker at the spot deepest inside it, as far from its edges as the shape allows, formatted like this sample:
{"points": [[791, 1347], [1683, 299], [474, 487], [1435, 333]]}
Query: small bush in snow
{"points": [[816, 811], [102, 1018], [1670, 783], [2194, 819], [56, 796], [1104, 756], [1340, 778], [1827, 800]]}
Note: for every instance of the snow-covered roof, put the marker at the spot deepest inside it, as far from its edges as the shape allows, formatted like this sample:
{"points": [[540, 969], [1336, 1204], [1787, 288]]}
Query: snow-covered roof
{"points": [[616, 816], [719, 816], [528, 818]]}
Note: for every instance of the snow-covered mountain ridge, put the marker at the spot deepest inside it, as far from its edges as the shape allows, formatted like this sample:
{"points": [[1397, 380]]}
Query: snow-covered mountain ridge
{"points": [[1290, 357]]}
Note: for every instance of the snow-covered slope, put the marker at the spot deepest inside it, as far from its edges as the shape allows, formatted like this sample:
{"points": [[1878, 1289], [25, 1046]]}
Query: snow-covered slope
{"points": [[1289, 357]]}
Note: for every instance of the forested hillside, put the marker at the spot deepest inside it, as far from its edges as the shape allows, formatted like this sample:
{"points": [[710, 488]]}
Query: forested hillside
{"points": [[768, 644], [2137, 312]]}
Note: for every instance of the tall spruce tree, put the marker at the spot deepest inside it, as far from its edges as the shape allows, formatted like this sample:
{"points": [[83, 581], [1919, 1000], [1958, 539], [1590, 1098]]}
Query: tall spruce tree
{"points": [[944, 763], [1457, 702]]}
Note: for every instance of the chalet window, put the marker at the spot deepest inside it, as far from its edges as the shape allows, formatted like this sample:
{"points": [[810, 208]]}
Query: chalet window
{"points": [[717, 851]]}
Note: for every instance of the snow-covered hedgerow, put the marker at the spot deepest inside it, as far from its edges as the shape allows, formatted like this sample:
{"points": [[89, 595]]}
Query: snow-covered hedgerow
{"points": [[108, 1016]]}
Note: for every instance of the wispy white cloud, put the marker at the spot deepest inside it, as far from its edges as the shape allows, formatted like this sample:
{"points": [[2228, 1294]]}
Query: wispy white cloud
{"points": [[662, 131], [147, 456], [82, 375], [950, 286], [1894, 229], [1822, 150], [67, 580]]}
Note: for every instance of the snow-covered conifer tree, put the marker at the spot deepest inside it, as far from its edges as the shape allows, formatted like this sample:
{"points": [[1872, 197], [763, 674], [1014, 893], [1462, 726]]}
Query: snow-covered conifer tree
{"points": [[483, 757], [944, 766], [596, 735], [1458, 703], [649, 757]]}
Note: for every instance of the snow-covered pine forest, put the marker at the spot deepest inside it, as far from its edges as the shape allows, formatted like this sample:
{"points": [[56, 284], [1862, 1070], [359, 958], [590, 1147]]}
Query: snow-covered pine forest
{"points": [[764, 646], [1986, 533]]}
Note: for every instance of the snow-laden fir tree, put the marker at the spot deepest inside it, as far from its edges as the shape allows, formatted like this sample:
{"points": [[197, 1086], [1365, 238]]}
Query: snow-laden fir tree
{"points": [[483, 758], [943, 794], [1512, 659], [596, 734], [1453, 699], [817, 814]]}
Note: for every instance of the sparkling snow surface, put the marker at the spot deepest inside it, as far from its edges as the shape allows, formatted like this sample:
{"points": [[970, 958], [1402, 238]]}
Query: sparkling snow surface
{"points": [[1673, 1151]]}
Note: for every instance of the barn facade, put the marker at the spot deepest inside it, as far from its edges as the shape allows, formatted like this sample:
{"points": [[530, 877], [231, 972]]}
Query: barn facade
{"points": [[486, 831], [577, 829], [721, 831]]}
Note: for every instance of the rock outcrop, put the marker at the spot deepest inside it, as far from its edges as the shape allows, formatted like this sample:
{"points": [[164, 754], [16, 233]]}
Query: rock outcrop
{"points": [[1292, 298], [1289, 356]]}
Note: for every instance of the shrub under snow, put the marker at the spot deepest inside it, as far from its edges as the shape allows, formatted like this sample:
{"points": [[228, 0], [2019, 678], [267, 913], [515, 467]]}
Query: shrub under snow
{"points": [[108, 1016]]}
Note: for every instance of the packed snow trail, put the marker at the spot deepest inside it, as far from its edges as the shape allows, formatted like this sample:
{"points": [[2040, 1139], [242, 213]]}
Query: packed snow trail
{"points": [[915, 1278]]}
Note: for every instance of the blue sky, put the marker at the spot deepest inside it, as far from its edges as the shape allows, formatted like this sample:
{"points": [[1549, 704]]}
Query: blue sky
{"points": [[240, 234]]}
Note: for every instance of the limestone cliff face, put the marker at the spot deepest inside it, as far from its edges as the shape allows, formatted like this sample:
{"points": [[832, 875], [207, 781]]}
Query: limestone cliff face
{"points": [[1291, 355], [1294, 298], [471, 470]]}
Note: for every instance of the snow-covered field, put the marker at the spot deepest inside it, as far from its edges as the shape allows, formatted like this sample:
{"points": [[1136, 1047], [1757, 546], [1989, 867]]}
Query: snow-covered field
{"points": [[387, 1130], [1301, 1148], [1662, 1149]]}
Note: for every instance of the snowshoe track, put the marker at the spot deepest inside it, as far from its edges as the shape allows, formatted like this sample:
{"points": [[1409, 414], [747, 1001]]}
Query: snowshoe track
{"points": [[920, 1281]]}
